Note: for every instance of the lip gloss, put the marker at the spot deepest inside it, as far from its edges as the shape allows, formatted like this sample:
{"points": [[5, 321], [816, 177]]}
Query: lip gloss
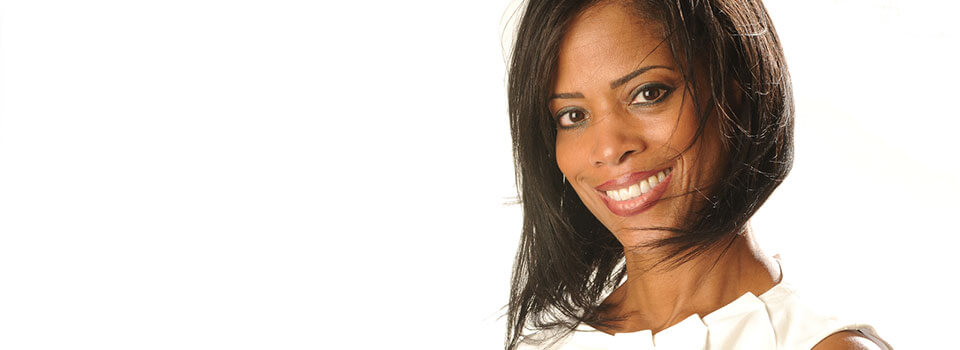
{"points": [[638, 204]]}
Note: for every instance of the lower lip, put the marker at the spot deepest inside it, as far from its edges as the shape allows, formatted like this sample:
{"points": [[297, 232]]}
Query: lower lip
{"points": [[639, 204]]}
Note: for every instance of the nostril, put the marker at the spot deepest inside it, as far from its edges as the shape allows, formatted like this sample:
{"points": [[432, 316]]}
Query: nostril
{"points": [[624, 156], [613, 147]]}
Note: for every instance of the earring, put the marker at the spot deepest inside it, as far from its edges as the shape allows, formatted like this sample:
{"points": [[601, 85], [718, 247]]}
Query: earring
{"points": [[563, 190]]}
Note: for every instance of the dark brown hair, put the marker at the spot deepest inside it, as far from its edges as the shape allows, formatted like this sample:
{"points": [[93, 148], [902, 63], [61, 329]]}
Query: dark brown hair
{"points": [[567, 258]]}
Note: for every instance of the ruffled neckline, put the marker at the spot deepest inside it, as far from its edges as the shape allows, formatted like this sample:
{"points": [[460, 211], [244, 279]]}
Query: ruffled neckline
{"points": [[747, 311]]}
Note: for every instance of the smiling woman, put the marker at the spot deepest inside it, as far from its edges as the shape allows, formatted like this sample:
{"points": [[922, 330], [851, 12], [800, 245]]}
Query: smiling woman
{"points": [[646, 134]]}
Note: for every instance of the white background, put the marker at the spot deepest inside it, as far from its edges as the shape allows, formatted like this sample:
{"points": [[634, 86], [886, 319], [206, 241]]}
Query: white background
{"points": [[304, 175]]}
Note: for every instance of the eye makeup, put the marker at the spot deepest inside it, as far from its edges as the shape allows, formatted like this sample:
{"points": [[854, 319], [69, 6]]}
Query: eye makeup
{"points": [[640, 93], [570, 117]]}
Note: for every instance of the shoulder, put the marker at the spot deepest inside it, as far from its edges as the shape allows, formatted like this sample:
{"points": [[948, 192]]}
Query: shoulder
{"points": [[847, 340], [804, 324]]}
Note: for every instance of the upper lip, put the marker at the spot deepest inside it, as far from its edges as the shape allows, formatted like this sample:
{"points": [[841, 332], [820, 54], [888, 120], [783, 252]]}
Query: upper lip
{"points": [[626, 180]]}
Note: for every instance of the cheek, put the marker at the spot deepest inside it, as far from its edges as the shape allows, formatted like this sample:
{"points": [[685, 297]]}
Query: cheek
{"points": [[569, 157], [700, 161], [686, 126]]}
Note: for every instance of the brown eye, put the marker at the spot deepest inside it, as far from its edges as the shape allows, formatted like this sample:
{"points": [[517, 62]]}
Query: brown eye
{"points": [[577, 116], [650, 94], [571, 117]]}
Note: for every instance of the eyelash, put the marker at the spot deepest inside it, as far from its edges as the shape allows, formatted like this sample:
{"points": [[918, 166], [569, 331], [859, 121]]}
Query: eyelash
{"points": [[666, 90], [566, 111]]}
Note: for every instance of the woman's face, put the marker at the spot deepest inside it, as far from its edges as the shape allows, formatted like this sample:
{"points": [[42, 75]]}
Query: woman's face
{"points": [[623, 115]]}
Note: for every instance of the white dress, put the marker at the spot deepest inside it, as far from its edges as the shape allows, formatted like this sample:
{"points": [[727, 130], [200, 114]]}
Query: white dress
{"points": [[777, 319]]}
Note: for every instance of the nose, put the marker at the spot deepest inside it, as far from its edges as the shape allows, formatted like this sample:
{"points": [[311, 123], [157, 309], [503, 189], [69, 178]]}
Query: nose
{"points": [[615, 141]]}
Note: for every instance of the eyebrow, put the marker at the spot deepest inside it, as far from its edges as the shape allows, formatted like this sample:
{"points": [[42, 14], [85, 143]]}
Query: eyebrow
{"points": [[613, 84], [567, 95]]}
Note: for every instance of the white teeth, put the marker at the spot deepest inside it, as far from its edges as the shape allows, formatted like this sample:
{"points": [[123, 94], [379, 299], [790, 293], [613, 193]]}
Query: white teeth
{"points": [[653, 181], [614, 194], [638, 189], [644, 186]]}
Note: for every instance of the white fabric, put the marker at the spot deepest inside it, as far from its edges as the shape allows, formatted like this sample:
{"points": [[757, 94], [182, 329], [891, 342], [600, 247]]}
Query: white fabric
{"points": [[777, 319]]}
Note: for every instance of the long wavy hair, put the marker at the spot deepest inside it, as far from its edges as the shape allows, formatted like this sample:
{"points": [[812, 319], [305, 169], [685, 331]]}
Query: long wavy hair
{"points": [[566, 258]]}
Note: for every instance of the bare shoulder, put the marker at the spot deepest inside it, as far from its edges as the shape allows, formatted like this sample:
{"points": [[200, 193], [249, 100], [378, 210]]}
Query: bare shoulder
{"points": [[847, 340]]}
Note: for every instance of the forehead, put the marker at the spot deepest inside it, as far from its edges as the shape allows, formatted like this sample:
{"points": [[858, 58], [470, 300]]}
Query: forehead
{"points": [[607, 41]]}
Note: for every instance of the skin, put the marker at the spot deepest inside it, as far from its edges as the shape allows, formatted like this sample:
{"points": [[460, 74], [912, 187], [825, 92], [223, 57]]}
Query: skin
{"points": [[607, 130]]}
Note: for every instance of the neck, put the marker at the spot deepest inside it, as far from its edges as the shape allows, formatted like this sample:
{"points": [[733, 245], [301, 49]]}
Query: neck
{"points": [[657, 297]]}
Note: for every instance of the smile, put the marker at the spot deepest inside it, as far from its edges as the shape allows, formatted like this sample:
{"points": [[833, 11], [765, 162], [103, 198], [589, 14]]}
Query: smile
{"points": [[634, 193]]}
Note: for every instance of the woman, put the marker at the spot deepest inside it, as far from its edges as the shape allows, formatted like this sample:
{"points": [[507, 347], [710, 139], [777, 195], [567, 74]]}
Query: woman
{"points": [[646, 134]]}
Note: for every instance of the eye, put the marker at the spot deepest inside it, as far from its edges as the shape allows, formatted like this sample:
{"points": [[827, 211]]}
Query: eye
{"points": [[568, 118], [650, 94]]}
